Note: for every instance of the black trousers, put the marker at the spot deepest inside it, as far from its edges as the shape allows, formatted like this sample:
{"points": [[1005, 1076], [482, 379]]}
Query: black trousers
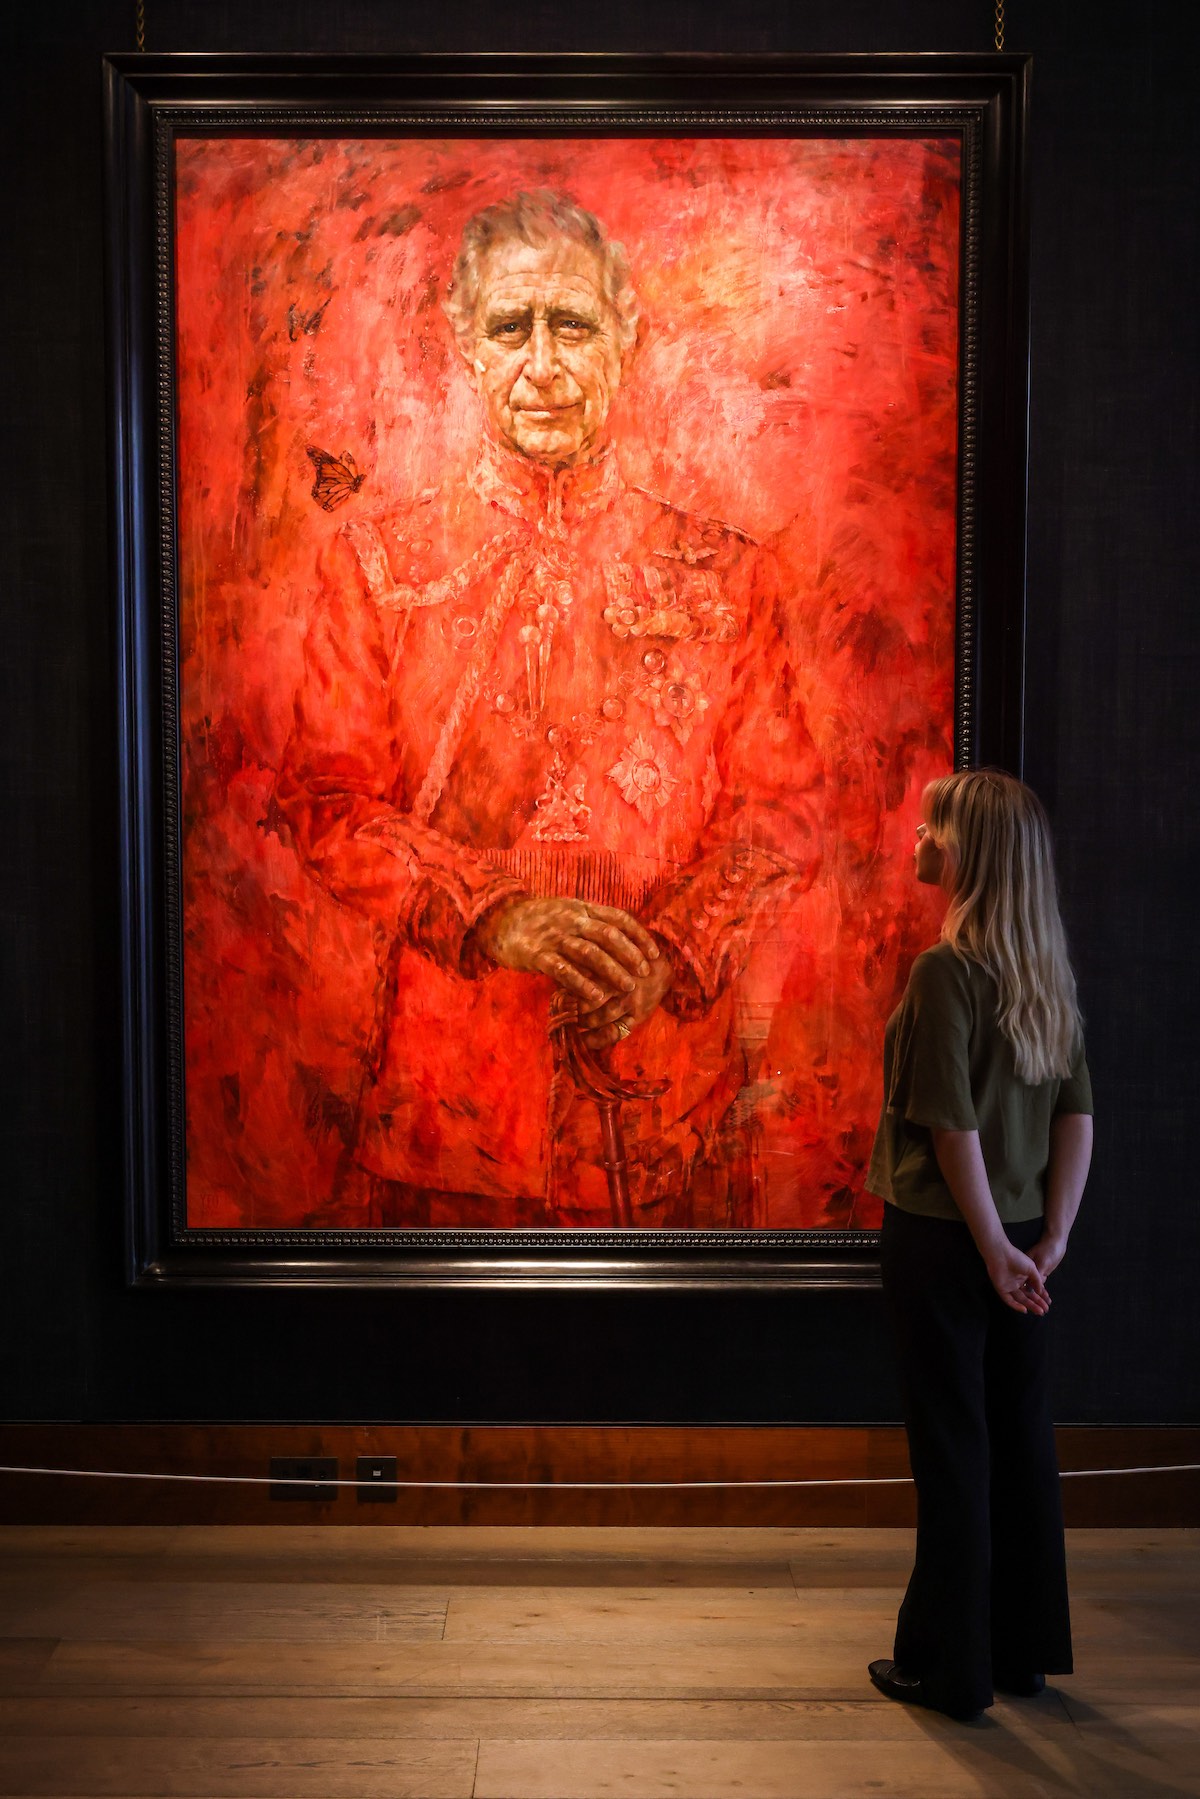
{"points": [[988, 1592]]}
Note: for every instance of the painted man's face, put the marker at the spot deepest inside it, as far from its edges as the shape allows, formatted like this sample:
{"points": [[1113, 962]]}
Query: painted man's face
{"points": [[546, 351]]}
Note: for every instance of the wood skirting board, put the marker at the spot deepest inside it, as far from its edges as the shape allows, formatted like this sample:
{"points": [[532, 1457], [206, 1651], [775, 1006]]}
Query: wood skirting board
{"points": [[549, 1456]]}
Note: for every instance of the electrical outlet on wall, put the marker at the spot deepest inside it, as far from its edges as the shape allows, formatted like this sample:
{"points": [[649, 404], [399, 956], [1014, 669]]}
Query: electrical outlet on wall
{"points": [[303, 1477], [376, 1477]]}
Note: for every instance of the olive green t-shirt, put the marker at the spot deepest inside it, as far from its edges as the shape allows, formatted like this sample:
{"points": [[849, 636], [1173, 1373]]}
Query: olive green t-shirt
{"points": [[947, 1065]]}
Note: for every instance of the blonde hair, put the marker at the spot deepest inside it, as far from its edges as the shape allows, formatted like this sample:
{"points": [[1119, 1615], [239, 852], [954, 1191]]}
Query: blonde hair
{"points": [[1003, 911]]}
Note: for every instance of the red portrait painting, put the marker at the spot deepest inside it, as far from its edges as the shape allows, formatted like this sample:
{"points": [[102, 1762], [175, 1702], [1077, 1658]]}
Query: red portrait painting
{"points": [[566, 598]]}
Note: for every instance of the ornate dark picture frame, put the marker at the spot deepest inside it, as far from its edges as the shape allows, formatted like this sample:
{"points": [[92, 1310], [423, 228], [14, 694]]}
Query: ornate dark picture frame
{"points": [[157, 104]]}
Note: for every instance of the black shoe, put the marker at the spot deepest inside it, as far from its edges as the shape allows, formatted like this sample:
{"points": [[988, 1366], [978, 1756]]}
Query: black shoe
{"points": [[1019, 1685], [898, 1683]]}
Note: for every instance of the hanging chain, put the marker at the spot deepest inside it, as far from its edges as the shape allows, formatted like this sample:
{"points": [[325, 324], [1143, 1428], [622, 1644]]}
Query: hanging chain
{"points": [[999, 24], [141, 24]]}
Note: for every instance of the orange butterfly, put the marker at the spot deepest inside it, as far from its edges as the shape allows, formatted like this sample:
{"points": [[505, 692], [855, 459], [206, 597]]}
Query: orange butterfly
{"points": [[336, 477]]}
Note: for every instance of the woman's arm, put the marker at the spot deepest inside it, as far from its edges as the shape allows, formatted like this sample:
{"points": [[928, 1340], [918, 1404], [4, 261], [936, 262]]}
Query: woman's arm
{"points": [[1066, 1176], [1015, 1276]]}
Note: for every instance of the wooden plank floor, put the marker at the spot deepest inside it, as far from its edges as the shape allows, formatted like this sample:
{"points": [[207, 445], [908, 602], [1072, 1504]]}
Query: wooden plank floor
{"points": [[219, 1662]]}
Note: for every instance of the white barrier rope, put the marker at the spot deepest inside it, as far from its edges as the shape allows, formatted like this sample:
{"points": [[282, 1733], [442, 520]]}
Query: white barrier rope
{"points": [[558, 1486]]}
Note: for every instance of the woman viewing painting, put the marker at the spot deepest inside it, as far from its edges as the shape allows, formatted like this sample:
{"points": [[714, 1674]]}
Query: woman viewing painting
{"points": [[981, 1157]]}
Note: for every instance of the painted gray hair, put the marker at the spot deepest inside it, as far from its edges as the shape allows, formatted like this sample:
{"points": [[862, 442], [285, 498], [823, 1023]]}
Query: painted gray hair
{"points": [[538, 218]]}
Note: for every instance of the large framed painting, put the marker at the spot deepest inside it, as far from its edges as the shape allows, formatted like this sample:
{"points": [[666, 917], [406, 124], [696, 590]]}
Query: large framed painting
{"points": [[567, 509]]}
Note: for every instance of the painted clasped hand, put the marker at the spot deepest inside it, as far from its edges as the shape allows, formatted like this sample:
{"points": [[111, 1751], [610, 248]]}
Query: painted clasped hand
{"points": [[600, 955]]}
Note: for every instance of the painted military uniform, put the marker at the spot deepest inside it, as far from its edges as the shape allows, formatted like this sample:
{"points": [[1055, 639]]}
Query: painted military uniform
{"points": [[546, 682]]}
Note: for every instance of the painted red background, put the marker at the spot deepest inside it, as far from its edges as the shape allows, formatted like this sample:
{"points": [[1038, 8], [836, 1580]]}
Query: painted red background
{"points": [[798, 379]]}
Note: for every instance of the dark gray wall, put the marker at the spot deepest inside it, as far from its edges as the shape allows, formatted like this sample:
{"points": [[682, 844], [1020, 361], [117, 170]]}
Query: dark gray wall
{"points": [[1111, 745]]}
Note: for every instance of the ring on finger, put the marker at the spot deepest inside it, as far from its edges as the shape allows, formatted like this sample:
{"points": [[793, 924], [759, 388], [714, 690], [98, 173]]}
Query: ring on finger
{"points": [[623, 1027]]}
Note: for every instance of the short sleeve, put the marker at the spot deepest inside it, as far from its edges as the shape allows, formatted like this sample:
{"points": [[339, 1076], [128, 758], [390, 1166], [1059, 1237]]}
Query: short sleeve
{"points": [[931, 1079], [1075, 1093]]}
